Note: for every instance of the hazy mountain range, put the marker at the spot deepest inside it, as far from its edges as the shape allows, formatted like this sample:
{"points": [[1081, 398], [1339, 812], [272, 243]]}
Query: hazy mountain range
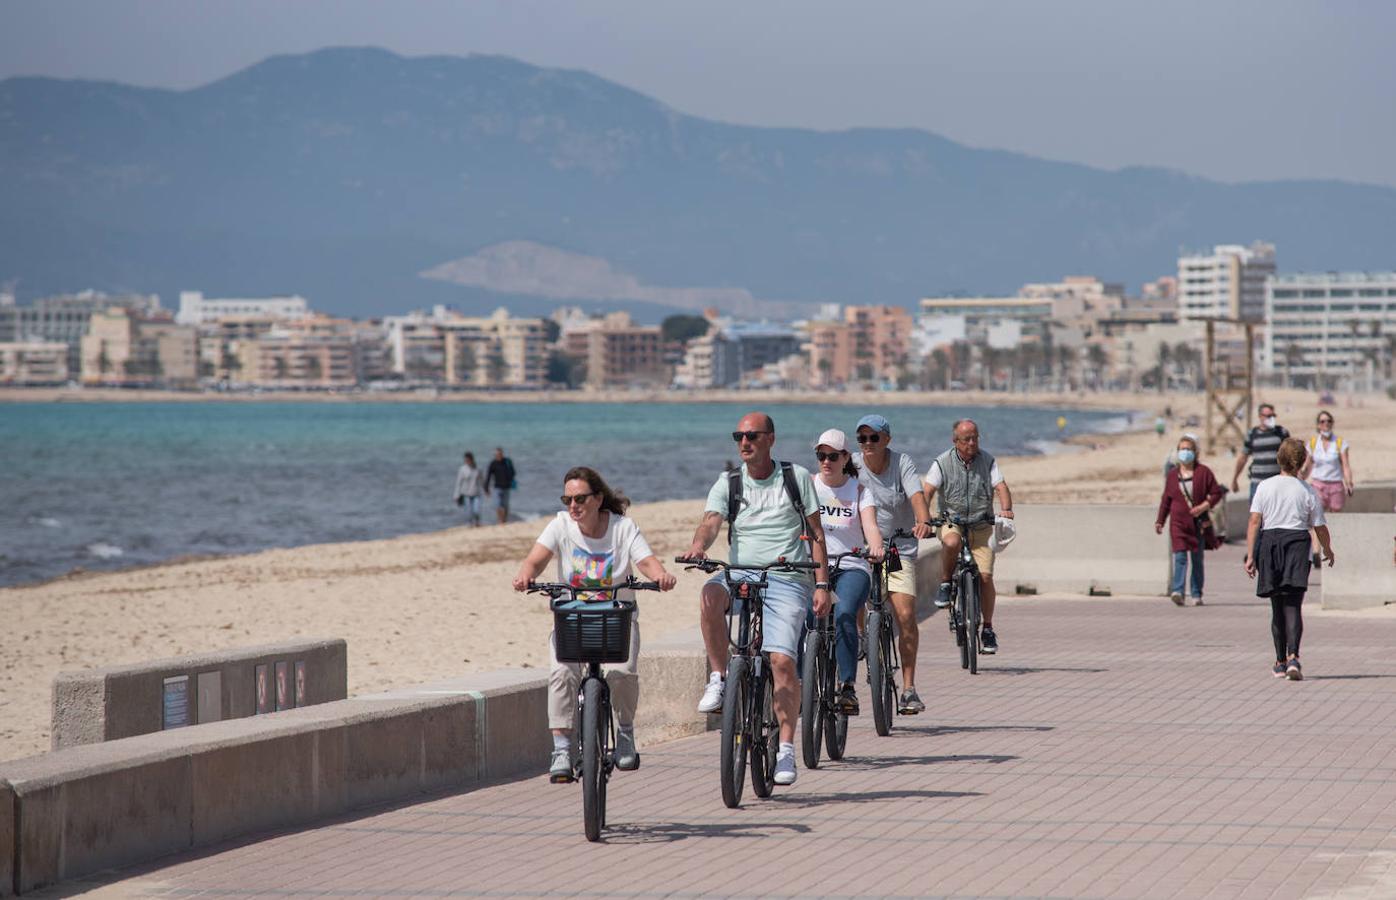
{"points": [[373, 183]]}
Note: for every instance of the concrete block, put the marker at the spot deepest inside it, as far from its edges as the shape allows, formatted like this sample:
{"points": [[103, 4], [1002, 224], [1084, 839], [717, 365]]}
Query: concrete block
{"points": [[383, 756], [96, 807], [1364, 575], [116, 702], [7, 840], [265, 775], [1085, 548]]}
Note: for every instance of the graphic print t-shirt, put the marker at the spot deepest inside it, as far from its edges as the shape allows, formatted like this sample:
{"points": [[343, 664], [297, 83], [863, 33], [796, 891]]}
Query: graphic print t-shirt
{"points": [[840, 510], [595, 562]]}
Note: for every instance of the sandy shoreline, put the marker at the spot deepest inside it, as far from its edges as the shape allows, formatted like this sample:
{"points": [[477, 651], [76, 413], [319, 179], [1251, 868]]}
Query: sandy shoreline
{"points": [[428, 606]]}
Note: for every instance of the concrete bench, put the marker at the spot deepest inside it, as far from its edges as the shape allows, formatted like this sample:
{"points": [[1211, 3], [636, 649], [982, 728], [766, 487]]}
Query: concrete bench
{"points": [[1364, 575], [1083, 549], [1378, 497], [95, 705]]}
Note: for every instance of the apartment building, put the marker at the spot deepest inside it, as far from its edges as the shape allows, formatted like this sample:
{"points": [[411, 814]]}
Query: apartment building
{"points": [[1078, 301], [488, 351], [1330, 324], [614, 351], [33, 362], [829, 346], [1229, 282], [196, 309], [122, 347], [65, 318], [981, 312], [881, 340], [301, 355]]}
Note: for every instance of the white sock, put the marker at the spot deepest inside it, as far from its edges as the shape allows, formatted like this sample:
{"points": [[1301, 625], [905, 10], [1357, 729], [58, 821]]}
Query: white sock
{"points": [[715, 675], [562, 742], [787, 748]]}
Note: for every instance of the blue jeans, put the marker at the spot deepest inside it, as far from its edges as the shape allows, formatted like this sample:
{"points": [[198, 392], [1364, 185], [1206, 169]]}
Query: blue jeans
{"points": [[1180, 571], [472, 508], [851, 587]]}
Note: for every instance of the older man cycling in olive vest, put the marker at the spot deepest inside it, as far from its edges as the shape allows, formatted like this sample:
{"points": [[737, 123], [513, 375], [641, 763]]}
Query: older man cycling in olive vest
{"points": [[967, 480]]}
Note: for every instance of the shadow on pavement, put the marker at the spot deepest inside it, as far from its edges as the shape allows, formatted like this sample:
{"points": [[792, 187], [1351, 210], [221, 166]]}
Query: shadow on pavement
{"points": [[887, 762], [1030, 670], [805, 801], [936, 730], [1343, 677], [669, 832]]}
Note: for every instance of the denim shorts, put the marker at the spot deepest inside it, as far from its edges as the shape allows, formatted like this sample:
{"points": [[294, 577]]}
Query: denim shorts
{"points": [[786, 606]]}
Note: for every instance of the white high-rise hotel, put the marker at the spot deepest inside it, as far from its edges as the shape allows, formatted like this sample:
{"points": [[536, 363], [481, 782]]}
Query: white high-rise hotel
{"points": [[1227, 283], [1331, 323]]}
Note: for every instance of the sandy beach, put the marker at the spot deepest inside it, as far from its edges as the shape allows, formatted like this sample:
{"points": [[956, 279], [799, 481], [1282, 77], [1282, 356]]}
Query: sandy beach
{"points": [[434, 605]]}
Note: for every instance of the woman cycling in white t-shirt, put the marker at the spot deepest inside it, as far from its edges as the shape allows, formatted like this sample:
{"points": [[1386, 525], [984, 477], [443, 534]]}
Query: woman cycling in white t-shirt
{"points": [[596, 545], [850, 522]]}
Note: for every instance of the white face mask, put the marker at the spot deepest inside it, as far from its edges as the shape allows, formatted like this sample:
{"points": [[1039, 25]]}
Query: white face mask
{"points": [[1269, 421], [1326, 434]]}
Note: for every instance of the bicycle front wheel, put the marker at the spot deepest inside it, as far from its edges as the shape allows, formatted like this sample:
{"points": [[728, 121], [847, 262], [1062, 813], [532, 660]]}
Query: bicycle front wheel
{"points": [[973, 620], [593, 759], [765, 734], [878, 674], [735, 738], [812, 701], [835, 720]]}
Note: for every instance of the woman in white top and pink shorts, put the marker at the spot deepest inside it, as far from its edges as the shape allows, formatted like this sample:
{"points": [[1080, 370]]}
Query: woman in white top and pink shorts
{"points": [[1329, 470]]}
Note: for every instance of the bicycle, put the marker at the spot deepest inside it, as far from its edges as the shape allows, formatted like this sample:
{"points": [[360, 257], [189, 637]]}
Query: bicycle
{"points": [[966, 613], [880, 635], [749, 724], [592, 632], [822, 719]]}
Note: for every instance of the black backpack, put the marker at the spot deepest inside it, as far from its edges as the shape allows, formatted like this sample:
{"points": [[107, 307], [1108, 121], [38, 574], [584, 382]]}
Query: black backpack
{"points": [[734, 497]]}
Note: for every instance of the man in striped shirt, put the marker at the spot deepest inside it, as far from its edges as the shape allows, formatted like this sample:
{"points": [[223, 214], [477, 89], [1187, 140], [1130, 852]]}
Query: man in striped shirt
{"points": [[1261, 447]]}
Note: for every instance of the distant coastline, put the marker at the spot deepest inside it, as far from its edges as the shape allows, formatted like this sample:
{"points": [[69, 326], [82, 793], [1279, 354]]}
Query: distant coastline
{"points": [[1120, 401]]}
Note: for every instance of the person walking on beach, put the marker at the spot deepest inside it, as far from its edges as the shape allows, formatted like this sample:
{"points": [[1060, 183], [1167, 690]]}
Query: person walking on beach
{"points": [[1261, 445], [1190, 492], [850, 521], [501, 477], [890, 477], [968, 480], [776, 516], [1329, 469], [468, 489], [596, 545], [1283, 510]]}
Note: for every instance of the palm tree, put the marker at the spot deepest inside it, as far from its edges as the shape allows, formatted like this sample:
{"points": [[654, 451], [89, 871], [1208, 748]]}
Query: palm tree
{"points": [[825, 366], [1098, 358], [313, 368], [1165, 356], [466, 363], [1293, 354], [496, 364]]}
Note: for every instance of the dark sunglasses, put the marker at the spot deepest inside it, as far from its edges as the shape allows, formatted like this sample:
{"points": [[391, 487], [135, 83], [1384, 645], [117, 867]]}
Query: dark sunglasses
{"points": [[827, 457], [740, 436], [869, 438], [1325, 421], [576, 498]]}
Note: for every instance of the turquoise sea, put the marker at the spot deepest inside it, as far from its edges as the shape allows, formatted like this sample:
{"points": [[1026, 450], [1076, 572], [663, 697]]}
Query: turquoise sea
{"points": [[103, 486]]}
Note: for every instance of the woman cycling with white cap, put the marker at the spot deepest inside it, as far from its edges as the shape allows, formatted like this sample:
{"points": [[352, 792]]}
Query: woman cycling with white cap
{"points": [[850, 522]]}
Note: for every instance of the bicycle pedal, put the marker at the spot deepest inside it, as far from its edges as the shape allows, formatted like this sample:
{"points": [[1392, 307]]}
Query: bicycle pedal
{"points": [[561, 779]]}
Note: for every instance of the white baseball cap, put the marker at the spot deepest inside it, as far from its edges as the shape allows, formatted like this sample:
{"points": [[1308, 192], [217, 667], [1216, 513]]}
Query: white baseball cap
{"points": [[833, 438]]}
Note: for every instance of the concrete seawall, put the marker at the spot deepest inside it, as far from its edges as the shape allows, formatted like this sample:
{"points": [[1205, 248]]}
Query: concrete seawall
{"points": [[94, 705]]}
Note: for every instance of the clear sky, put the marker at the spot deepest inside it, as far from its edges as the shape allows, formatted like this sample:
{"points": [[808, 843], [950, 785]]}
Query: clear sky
{"points": [[1234, 90]]}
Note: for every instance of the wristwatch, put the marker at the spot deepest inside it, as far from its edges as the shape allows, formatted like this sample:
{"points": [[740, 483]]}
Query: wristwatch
{"points": [[821, 584]]}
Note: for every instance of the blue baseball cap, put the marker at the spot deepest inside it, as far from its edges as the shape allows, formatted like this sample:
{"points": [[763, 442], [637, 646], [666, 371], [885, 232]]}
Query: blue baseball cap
{"points": [[875, 422]]}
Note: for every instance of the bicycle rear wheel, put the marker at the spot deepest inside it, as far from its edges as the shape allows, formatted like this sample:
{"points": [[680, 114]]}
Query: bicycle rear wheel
{"points": [[735, 740], [972, 624], [962, 635], [765, 733], [593, 759], [812, 701], [878, 674]]}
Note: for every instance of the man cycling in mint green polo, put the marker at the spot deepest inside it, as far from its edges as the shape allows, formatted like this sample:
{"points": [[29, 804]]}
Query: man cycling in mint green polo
{"points": [[770, 525]]}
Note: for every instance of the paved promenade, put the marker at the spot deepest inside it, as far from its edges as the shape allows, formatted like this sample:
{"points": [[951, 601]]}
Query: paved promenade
{"points": [[1116, 748]]}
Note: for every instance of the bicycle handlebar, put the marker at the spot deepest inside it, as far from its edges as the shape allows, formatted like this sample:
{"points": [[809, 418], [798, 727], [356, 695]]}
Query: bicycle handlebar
{"points": [[556, 589], [712, 565]]}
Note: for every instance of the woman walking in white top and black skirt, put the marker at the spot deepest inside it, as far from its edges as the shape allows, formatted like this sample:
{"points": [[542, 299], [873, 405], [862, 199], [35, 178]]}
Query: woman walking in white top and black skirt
{"points": [[1283, 510]]}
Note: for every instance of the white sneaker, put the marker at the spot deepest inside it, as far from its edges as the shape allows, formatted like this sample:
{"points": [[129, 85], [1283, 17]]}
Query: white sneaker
{"points": [[785, 768], [712, 694]]}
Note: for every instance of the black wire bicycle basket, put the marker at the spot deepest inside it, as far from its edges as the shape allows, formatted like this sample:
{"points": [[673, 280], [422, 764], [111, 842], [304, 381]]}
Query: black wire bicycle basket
{"points": [[597, 632]]}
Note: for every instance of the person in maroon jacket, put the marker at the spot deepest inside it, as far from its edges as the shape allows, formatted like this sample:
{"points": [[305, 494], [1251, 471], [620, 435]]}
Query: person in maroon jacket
{"points": [[1190, 490]]}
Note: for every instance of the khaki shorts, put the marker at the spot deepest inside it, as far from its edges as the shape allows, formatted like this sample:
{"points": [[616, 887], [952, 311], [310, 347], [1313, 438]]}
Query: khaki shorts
{"points": [[978, 546], [903, 581]]}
